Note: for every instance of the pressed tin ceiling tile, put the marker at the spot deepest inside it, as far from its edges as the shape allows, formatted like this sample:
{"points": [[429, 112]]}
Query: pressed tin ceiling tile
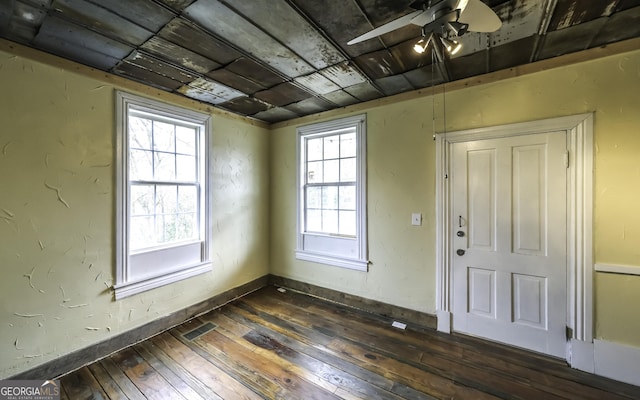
{"points": [[317, 83], [102, 20], [287, 26], [245, 105], [224, 22], [235, 81], [255, 71], [159, 67], [179, 55], [80, 44], [145, 13], [395, 84], [186, 34], [340, 98], [137, 73], [283, 94]]}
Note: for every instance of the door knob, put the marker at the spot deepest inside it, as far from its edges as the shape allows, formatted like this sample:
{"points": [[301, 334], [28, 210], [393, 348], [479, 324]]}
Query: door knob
{"points": [[460, 252], [460, 233]]}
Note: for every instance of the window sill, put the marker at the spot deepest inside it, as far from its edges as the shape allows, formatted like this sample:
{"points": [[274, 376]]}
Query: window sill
{"points": [[336, 261], [127, 289]]}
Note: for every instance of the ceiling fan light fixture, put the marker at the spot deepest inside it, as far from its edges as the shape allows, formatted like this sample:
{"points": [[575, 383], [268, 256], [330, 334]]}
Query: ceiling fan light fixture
{"points": [[458, 28], [421, 46], [452, 46]]}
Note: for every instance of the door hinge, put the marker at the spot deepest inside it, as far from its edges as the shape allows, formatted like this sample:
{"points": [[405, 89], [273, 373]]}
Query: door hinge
{"points": [[566, 159], [569, 333]]}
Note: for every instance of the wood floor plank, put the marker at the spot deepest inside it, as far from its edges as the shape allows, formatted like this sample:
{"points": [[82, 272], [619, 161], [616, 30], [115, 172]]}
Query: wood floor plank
{"points": [[180, 371], [288, 345], [218, 380], [322, 354], [129, 389], [174, 380], [433, 384], [274, 379], [83, 385], [311, 368], [63, 393], [289, 359], [147, 380], [375, 344], [110, 386]]}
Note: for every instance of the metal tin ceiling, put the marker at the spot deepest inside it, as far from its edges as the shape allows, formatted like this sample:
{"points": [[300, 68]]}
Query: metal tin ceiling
{"points": [[279, 59]]}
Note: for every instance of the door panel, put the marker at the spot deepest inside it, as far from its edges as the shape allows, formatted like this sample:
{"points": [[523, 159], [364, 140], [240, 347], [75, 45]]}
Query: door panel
{"points": [[509, 200], [481, 172], [529, 201], [482, 292]]}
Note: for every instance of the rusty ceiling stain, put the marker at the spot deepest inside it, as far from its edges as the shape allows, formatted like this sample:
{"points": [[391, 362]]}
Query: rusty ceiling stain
{"points": [[283, 59]]}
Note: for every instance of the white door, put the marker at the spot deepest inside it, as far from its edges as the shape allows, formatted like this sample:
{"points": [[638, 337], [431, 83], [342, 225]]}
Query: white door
{"points": [[509, 240]]}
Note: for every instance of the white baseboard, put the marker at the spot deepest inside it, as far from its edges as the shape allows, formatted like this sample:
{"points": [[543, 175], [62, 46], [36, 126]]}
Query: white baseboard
{"points": [[580, 356], [444, 321], [617, 361]]}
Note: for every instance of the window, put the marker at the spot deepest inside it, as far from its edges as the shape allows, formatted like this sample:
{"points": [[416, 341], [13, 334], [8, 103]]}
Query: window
{"points": [[332, 193], [162, 194]]}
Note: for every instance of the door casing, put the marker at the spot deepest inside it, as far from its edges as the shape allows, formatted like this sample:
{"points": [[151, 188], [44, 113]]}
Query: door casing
{"points": [[579, 130]]}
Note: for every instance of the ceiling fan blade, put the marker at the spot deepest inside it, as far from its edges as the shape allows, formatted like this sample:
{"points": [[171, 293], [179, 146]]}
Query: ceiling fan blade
{"points": [[480, 17], [386, 28]]}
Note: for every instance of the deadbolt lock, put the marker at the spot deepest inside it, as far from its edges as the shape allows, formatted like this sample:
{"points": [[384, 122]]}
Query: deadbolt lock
{"points": [[460, 233]]}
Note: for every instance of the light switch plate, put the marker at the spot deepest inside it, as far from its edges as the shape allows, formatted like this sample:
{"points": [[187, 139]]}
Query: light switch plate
{"points": [[416, 219]]}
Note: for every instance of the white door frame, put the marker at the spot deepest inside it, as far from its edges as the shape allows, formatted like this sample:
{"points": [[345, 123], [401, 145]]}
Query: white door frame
{"points": [[579, 129]]}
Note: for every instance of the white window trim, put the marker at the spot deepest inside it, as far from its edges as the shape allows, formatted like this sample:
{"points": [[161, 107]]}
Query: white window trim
{"points": [[361, 262], [125, 286]]}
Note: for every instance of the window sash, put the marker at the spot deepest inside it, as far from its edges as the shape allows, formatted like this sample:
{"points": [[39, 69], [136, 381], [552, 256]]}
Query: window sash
{"points": [[148, 267], [328, 246]]}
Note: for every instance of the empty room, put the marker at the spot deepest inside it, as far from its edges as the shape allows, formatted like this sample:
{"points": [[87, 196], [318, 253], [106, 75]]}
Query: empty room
{"points": [[304, 199]]}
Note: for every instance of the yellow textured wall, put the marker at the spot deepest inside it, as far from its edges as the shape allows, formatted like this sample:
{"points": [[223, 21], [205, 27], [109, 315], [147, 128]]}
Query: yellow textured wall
{"points": [[57, 216], [401, 168]]}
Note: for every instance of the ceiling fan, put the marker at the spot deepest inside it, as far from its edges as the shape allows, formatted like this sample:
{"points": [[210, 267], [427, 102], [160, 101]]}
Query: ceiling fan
{"points": [[440, 20]]}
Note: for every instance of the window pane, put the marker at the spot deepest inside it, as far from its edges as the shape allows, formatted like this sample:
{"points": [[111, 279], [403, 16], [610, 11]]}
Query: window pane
{"points": [[186, 226], [140, 165], [331, 147], [187, 199], [329, 221], [141, 233], [331, 171], [186, 168], [348, 170], [348, 145], [314, 172], [139, 133], [347, 199], [347, 223], [163, 137], [165, 167], [166, 228], [185, 140], [314, 221], [142, 200], [330, 198], [314, 149], [314, 196], [166, 199]]}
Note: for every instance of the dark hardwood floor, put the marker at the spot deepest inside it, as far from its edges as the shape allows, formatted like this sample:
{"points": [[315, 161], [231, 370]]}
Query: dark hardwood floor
{"points": [[290, 346]]}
